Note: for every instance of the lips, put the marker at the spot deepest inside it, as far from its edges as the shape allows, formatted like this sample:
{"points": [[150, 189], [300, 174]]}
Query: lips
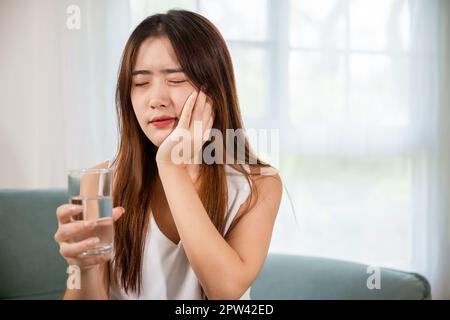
{"points": [[161, 118], [162, 121]]}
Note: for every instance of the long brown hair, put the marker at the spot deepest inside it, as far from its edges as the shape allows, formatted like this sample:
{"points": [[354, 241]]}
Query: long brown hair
{"points": [[204, 57]]}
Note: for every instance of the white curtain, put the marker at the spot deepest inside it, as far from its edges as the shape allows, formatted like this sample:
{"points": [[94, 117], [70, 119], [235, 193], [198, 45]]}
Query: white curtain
{"points": [[57, 87], [371, 177], [431, 104]]}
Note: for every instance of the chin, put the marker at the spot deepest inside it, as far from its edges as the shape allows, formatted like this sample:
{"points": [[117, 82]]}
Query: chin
{"points": [[158, 138]]}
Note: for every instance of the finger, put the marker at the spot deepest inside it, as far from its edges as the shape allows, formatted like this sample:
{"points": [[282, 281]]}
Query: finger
{"points": [[197, 113], [207, 113], [66, 211], [71, 250], [199, 117], [207, 133], [117, 213], [68, 231], [186, 113], [199, 107], [210, 122]]}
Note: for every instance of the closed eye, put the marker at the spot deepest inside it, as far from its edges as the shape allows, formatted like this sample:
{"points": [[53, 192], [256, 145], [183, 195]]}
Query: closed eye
{"points": [[140, 84], [177, 81]]}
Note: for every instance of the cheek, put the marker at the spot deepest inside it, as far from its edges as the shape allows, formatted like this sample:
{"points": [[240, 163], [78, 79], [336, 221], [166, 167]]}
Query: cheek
{"points": [[180, 98], [137, 104]]}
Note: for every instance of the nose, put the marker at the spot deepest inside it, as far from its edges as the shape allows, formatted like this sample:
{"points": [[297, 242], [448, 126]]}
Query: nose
{"points": [[159, 95]]}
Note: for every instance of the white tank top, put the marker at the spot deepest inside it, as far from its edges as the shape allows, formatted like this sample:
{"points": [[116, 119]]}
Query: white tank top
{"points": [[166, 271]]}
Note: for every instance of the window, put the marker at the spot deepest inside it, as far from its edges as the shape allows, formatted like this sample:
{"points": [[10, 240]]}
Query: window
{"points": [[350, 164]]}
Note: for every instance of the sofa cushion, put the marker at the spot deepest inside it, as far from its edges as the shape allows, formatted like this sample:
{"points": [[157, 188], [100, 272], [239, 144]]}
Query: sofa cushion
{"points": [[31, 265]]}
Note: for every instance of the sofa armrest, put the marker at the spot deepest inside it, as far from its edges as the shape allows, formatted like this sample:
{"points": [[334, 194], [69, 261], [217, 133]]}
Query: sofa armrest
{"points": [[306, 277]]}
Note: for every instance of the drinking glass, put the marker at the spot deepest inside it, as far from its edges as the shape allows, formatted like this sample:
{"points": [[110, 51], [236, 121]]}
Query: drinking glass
{"points": [[92, 189]]}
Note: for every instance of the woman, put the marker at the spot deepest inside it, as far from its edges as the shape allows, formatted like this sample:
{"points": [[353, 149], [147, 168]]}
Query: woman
{"points": [[191, 230]]}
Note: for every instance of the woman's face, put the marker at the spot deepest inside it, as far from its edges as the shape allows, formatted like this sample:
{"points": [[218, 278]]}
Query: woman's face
{"points": [[159, 88]]}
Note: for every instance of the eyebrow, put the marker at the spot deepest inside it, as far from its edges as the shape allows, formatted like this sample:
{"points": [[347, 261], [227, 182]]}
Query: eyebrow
{"points": [[164, 71]]}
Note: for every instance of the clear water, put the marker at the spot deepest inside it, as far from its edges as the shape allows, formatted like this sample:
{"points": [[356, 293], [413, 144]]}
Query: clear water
{"points": [[99, 209]]}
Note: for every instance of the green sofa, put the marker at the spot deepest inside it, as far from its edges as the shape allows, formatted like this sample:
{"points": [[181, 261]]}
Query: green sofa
{"points": [[31, 267]]}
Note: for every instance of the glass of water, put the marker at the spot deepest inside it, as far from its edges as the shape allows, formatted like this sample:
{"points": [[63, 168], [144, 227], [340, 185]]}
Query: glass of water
{"points": [[92, 189]]}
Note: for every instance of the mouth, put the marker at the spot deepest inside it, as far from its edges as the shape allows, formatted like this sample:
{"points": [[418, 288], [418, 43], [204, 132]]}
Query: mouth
{"points": [[161, 123]]}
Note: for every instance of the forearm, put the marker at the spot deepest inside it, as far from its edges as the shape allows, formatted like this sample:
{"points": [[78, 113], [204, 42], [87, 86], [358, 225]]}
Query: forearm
{"points": [[216, 264]]}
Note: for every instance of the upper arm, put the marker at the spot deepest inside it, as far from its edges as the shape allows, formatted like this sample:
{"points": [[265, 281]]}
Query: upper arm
{"points": [[251, 235]]}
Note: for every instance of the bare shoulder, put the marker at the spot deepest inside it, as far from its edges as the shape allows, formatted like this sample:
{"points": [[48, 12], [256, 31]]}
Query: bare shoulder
{"points": [[266, 179], [265, 195], [90, 183], [101, 165], [267, 186]]}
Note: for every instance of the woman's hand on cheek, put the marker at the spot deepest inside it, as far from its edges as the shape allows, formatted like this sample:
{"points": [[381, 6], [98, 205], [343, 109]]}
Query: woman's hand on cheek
{"points": [[184, 144]]}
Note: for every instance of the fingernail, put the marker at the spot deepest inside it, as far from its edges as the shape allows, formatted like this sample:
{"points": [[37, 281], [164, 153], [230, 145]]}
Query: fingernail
{"points": [[95, 240]]}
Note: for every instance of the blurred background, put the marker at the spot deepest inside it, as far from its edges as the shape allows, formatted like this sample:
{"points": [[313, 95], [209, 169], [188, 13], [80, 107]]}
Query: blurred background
{"points": [[359, 90]]}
